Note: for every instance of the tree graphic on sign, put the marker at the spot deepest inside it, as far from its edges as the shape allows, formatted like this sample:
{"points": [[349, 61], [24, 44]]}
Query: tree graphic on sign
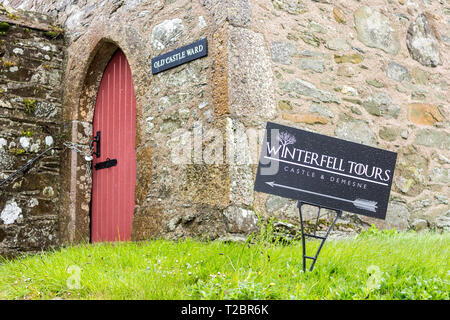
{"points": [[285, 139]]}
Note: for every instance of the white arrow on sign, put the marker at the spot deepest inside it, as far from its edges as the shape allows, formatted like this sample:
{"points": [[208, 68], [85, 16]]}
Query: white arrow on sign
{"points": [[359, 203]]}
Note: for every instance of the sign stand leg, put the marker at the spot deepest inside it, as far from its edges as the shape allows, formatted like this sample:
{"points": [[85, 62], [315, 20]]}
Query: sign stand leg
{"points": [[304, 235]]}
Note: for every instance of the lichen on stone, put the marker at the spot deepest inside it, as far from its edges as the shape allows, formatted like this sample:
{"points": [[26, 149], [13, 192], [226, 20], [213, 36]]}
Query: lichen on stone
{"points": [[6, 160], [375, 30], [422, 42], [290, 6], [11, 212]]}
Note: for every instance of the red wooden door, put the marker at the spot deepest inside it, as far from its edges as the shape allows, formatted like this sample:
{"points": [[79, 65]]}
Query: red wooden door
{"points": [[113, 187]]}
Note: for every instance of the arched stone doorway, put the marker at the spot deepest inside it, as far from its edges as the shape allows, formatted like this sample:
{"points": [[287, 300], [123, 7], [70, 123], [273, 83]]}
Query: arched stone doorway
{"points": [[77, 176], [114, 157]]}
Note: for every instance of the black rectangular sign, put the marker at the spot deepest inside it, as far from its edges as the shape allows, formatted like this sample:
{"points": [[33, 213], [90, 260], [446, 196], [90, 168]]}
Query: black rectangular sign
{"points": [[179, 56], [325, 171]]}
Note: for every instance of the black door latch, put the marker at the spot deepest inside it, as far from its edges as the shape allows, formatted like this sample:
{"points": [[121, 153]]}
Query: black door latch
{"points": [[106, 164], [97, 144]]}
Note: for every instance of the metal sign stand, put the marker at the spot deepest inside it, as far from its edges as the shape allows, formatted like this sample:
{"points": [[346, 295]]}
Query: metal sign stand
{"points": [[304, 235]]}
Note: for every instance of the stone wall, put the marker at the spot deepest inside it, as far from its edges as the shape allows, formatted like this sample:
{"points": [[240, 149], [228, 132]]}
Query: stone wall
{"points": [[31, 58], [374, 72], [172, 199]]}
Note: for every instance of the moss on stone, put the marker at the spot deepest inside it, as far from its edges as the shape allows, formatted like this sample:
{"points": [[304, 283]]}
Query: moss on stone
{"points": [[30, 105], [51, 34], [27, 133], [16, 151], [4, 26], [54, 33], [13, 16], [8, 63]]}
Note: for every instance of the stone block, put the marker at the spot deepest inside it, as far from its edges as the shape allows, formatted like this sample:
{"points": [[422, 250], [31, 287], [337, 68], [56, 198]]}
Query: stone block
{"points": [[239, 220], [250, 77], [424, 114], [375, 30], [422, 42], [433, 138]]}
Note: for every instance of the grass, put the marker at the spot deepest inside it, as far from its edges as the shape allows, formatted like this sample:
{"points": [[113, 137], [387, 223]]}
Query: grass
{"points": [[374, 265]]}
